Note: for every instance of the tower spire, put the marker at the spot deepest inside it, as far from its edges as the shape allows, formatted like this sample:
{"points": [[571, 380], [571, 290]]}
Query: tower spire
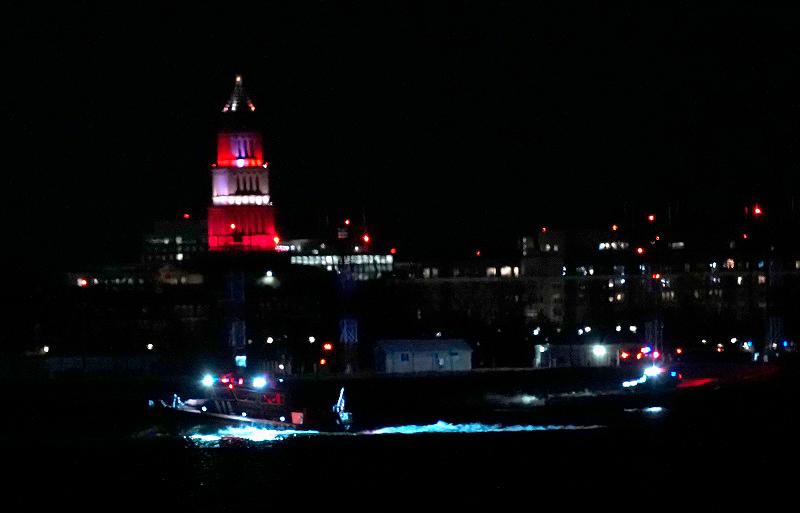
{"points": [[239, 100]]}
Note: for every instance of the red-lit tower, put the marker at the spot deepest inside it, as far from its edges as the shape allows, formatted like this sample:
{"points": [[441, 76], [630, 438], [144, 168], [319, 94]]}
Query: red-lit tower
{"points": [[241, 216]]}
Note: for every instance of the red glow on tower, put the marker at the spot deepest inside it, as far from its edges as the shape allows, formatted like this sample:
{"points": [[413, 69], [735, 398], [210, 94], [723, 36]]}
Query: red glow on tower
{"points": [[640, 251], [757, 211], [393, 251], [242, 216], [186, 216], [651, 218], [366, 238], [347, 222], [327, 346]]}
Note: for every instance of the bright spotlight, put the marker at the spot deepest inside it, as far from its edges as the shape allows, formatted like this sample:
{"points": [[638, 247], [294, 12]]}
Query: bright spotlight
{"points": [[208, 380], [653, 371], [259, 382], [599, 351]]}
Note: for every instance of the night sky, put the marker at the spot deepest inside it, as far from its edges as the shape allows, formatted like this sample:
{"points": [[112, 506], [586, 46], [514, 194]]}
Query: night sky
{"points": [[452, 127]]}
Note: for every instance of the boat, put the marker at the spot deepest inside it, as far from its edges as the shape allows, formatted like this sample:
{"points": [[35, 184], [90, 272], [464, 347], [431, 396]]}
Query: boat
{"points": [[259, 400]]}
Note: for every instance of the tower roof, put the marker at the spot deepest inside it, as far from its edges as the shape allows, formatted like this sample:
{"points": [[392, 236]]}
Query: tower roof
{"points": [[239, 101]]}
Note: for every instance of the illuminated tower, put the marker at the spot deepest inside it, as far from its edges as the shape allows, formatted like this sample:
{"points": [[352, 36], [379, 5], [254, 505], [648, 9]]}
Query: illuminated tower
{"points": [[241, 216]]}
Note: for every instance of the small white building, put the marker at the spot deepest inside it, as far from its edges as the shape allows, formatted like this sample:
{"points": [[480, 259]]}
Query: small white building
{"points": [[422, 355]]}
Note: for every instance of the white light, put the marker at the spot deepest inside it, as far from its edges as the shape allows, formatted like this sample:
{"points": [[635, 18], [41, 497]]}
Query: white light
{"points": [[208, 380], [270, 340], [269, 274], [704, 341], [244, 414], [149, 347], [619, 328], [179, 257], [203, 408], [580, 331], [281, 367], [653, 371], [282, 418], [587, 329], [653, 409], [46, 349], [259, 382], [312, 340], [239, 162], [632, 328], [537, 331], [599, 351], [734, 340]]}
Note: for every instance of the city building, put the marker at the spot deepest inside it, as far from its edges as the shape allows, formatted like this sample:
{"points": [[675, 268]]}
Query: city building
{"points": [[241, 216]]}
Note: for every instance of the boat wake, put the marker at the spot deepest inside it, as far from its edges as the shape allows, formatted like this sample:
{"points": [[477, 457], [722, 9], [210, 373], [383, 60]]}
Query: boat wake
{"points": [[258, 434]]}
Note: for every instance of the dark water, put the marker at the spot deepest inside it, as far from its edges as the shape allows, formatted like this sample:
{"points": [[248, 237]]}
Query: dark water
{"points": [[717, 445]]}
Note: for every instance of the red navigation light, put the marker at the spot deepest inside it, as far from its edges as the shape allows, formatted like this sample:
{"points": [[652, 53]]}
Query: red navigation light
{"points": [[614, 227], [679, 351], [638, 356], [624, 355], [656, 276], [323, 361], [347, 222], [544, 229], [478, 253], [651, 218], [327, 346], [757, 211], [233, 226], [744, 236], [365, 237], [658, 237], [230, 386], [276, 240], [640, 250], [393, 251], [186, 216], [83, 282]]}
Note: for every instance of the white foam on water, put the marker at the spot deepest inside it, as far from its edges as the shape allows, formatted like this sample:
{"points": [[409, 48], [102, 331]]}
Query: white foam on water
{"points": [[258, 434], [477, 427]]}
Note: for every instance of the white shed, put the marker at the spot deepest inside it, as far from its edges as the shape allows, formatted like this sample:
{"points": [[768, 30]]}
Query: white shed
{"points": [[423, 355]]}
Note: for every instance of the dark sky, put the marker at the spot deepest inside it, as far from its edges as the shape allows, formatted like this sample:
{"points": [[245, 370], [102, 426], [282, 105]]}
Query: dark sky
{"points": [[456, 126]]}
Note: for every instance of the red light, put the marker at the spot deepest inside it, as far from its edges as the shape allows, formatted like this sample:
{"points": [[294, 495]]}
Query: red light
{"points": [[365, 237], [233, 226], [757, 210], [651, 218], [614, 227], [638, 356], [679, 351], [241, 381], [656, 354], [230, 386], [744, 236], [393, 251], [323, 361], [186, 216], [327, 346], [640, 250], [658, 237], [656, 276], [478, 253], [276, 240], [347, 222], [83, 282], [544, 229], [624, 355]]}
